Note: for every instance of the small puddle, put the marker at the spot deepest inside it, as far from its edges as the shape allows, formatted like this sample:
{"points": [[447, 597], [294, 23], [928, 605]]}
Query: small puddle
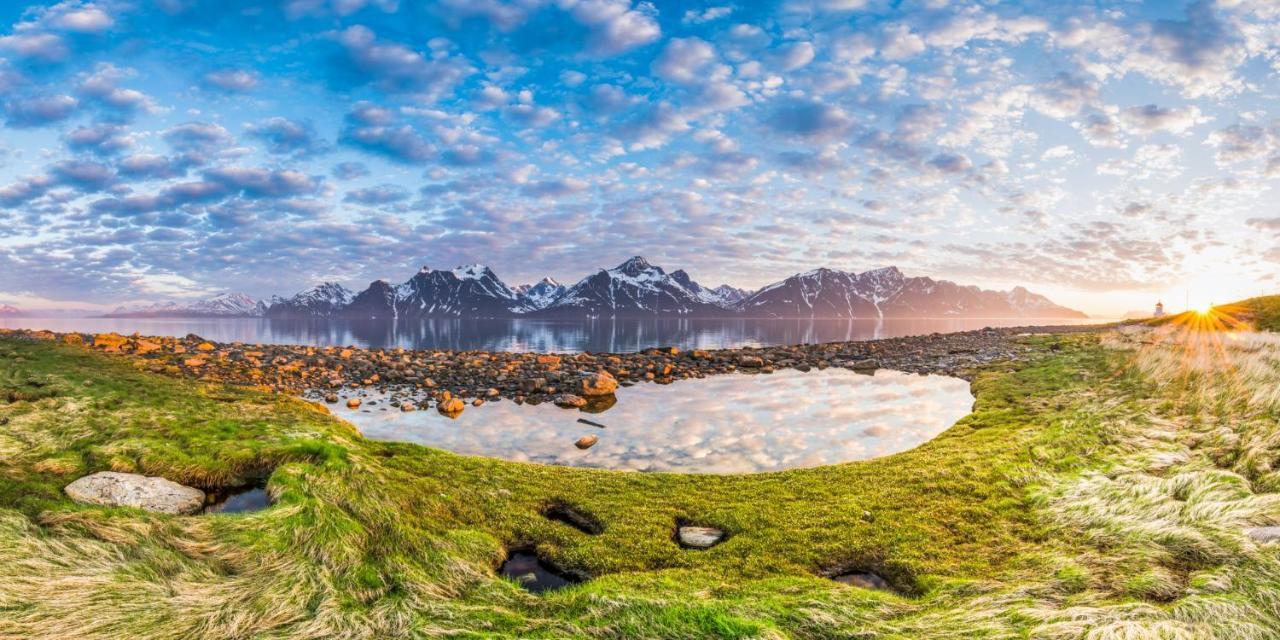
{"points": [[534, 574], [732, 423], [241, 500]]}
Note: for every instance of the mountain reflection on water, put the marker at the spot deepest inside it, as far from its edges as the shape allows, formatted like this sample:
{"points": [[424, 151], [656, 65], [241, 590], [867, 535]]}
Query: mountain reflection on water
{"points": [[733, 423], [603, 335]]}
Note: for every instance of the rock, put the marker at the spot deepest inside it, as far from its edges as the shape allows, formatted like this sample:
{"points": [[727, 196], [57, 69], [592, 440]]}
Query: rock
{"points": [[699, 537], [750, 362], [864, 364], [451, 407], [529, 385], [406, 407], [205, 346], [112, 489], [109, 341], [569, 401], [1263, 535], [548, 359], [353, 403], [599, 384], [330, 398], [586, 442], [73, 338]]}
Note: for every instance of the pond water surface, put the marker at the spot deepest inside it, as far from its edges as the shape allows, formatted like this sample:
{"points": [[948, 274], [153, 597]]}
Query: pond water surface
{"points": [[732, 423]]}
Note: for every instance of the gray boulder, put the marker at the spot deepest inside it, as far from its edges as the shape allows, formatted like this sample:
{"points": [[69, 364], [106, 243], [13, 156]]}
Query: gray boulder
{"points": [[112, 489], [699, 537]]}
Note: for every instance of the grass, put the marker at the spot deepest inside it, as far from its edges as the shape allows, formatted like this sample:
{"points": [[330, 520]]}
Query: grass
{"points": [[1100, 491]]}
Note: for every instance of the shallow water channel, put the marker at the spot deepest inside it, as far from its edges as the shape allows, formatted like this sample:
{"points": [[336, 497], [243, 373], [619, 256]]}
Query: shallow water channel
{"points": [[734, 423]]}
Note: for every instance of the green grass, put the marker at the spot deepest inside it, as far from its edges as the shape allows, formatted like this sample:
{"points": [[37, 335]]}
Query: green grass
{"points": [[990, 530]]}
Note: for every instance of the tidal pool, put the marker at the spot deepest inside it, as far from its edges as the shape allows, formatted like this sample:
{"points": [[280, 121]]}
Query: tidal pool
{"points": [[733, 423]]}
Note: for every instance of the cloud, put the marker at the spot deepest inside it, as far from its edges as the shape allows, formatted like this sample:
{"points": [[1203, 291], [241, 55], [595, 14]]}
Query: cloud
{"points": [[350, 170], [197, 136], [39, 111], [810, 120], [378, 195], [558, 188], [1264, 224], [101, 88], [1151, 118], [231, 80], [396, 68], [710, 14], [682, 59], [101, 139], [258, 182], [84, 175], [1238, 143], [82, 19], [614, 26], [42, 47], [283, 136], [794, 56]]}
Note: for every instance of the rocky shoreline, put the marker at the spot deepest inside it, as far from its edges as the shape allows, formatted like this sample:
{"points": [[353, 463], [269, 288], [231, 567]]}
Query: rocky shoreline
{"points": [[450, 380]]}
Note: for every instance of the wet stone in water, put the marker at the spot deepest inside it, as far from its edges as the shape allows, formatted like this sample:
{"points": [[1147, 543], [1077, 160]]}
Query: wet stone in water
{"points": [[534, 574]]}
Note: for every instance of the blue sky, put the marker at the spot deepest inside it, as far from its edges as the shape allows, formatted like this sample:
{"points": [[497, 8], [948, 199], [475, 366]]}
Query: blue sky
{"points": [[1106, 154]]}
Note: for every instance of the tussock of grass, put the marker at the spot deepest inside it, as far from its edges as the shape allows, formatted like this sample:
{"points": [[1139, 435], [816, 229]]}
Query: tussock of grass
{"points": [[1096, 492]]}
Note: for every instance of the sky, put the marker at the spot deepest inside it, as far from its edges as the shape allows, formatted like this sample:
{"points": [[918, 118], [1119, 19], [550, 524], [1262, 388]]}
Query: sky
{"points": [[1106, 154]]}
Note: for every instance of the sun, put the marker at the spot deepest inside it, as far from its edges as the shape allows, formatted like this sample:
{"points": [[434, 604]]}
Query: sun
{"points": [[1205, 309]]}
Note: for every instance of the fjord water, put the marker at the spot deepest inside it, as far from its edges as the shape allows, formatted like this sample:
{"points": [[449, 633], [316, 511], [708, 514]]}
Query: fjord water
{"points": [[603, 335], [732, 423]]}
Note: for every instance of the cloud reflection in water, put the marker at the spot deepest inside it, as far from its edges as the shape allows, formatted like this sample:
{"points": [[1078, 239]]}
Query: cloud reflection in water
{"points": [[721, 424]]}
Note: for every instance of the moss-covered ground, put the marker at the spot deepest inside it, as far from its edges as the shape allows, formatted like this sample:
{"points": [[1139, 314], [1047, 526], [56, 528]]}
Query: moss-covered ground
{"points": [[1100, 489]]}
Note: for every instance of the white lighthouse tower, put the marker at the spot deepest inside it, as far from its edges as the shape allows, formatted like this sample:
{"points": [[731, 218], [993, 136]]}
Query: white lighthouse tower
{"points": [[1159, 310]]}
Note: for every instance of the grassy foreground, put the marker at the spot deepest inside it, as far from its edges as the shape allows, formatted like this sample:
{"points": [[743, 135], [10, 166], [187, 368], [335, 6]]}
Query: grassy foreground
{"points": [[1101, 490]]}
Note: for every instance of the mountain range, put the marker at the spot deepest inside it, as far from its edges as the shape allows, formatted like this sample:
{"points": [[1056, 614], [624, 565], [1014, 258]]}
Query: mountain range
{"points": [[634, 288]]}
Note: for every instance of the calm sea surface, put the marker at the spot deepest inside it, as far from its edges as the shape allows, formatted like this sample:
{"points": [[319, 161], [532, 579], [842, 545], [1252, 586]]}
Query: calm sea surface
{"points": [[615, 336]]}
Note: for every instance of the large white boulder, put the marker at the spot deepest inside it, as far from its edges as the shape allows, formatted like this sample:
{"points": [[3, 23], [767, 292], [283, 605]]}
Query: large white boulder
{"points": [[112, 489]]}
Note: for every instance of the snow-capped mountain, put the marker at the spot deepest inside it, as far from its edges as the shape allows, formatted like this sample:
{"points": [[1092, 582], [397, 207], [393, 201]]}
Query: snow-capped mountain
{"points": [[633, 288], [229, 305], [885, 293], [727, 296], [320, 301], [9, 310], [468, 291], [540, 295]]}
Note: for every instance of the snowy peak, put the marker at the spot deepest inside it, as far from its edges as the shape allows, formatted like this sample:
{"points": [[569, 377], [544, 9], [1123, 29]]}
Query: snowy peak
{"points": [[231, 305], [320, 301], [538, 296], [9, 310], [634, 266], [886, 292], [472, 290], [635, 288]]}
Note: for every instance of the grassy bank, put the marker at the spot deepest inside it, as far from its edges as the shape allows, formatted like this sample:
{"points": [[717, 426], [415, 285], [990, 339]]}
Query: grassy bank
{"points": [[1101, 489]]}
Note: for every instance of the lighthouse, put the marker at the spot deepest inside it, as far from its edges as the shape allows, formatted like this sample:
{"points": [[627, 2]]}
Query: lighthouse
{"points": [[1159, 310]]}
